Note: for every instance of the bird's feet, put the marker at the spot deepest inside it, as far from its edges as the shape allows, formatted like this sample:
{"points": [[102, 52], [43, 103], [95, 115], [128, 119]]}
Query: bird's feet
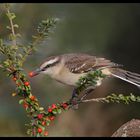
{"points": [[74, 103], [74, 100]]}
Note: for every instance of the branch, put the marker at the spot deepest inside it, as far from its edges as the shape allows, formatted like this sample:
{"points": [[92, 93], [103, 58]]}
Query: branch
{"points": [[8, 69], [93, 100], [43, 30], [39, 117], [114, 98], [11, 16]]}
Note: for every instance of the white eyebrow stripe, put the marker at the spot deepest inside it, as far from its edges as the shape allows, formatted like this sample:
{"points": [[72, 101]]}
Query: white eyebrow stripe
{"points": [[52, 61], [49, 62]]}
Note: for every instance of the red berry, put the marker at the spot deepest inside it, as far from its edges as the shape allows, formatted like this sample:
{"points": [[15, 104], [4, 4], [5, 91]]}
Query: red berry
{"points": [[51, 118], [43, 123], [46, 133], [26, 83], [32, 98], [25, 105], [14, 78], [49, 110], [40, 116], [39, 130], [64, 105], [31, 74], [54, 106]]}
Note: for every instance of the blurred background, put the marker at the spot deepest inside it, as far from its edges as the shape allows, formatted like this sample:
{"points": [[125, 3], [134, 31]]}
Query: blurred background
{"points": [[107, 30]]}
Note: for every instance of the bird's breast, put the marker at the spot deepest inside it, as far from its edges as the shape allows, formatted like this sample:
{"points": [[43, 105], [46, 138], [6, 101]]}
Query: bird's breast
{"points": [[66, 77]]}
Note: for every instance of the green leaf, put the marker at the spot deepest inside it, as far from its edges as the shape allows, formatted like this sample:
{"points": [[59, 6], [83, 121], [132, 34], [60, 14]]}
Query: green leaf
{"points": [[6, 63], [21, 101], [54, 111], [8, 27], [59, 110], [48, 123], [138, 98], [41, 108], [11, 15], [16, 26], [38, 135], [20, 55], [18, 35], [11, 37], [133, 98], [42, 127]]}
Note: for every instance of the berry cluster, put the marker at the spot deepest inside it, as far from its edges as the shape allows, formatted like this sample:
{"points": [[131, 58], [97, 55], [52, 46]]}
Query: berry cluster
{"points": [[42, 118]]}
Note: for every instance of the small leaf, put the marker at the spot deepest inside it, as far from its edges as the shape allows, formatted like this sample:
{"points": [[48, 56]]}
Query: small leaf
{"points": [[8, 27], [12, 16], [59, 110], [133, 98], [48, 123], [41, 108], [18, 35], [54, 111], [138, 98], [16, 26], [21, 101], [20, 55]]}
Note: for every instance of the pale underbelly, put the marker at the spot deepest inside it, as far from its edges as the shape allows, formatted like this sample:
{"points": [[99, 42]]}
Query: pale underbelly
{"points": [[71, 79]]}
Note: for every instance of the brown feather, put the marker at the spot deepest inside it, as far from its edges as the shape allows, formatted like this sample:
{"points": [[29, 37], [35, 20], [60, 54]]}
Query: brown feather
{"points": [[81, 63]]}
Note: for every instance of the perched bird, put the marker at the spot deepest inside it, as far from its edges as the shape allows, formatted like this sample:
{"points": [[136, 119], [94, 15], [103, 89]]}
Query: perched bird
{"points": [[68, 68]]}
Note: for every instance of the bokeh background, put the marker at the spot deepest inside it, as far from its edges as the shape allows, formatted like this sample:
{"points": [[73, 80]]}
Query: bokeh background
{"points": [[108, 30]]}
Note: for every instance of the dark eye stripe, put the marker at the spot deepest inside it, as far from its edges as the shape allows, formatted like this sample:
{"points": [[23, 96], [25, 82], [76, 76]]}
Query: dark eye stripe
{"points": [[50, 65]]}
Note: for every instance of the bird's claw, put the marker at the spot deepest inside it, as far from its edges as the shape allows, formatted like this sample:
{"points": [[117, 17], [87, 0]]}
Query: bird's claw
{"points": [[74, 103]]}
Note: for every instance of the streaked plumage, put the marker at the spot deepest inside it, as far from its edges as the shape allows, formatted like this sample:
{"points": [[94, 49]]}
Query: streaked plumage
{"points": [[68, 68]]}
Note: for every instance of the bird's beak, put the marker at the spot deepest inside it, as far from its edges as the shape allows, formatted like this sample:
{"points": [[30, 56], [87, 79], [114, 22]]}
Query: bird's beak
{"points": [[34, 73]]}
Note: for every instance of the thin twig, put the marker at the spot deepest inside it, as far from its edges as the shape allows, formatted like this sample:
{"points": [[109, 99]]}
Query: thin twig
{"points": [[12, 29], [103, 100], [6, 68], [93, 100]]}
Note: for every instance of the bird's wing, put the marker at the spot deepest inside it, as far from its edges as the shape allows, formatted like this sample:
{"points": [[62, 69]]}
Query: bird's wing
{"points": [[81, 63]]}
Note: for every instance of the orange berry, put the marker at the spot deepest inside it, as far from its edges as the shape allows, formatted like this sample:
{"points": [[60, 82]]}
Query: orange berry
{"points": [[31, 74], [40, 116], [25, 105], [32, 98], [39, 130], [43, 123], [26, 83], [46, 133], [52, 118], [49, 110], [54, 106], [64, 105], [14, 78]]}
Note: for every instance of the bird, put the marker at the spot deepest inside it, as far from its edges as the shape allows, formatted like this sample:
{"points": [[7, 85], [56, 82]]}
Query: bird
{"points": [[68, 68]]}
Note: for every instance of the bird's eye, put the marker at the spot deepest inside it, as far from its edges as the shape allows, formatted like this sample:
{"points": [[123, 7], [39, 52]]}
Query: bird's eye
{"points": [[47, 66]]}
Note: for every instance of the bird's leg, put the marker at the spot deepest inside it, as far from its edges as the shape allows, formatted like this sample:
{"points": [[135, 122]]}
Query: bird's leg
{"points": [[74, 93], [88, 91], [74, 99]]}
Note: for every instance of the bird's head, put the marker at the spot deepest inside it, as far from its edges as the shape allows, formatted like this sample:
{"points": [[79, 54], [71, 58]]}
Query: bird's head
{"points": [[47, 67]]}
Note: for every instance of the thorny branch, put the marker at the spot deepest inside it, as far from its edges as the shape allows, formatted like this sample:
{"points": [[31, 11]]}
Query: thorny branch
{"points": [[39, 117]]}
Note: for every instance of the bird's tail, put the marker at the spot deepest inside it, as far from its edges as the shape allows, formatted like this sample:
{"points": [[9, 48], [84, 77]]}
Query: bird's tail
{"points": [[127, 76]]}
